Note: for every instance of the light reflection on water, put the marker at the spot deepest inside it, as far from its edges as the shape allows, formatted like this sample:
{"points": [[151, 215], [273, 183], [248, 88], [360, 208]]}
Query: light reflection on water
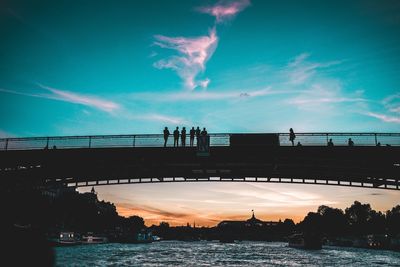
{"points": [[203, 253]]}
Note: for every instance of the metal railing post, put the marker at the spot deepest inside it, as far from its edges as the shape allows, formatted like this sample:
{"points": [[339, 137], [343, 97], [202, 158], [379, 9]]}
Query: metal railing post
{"points": [[90, 141], [327, 140], [47, 142], [134, 140], [6, 147], [376, 140]]}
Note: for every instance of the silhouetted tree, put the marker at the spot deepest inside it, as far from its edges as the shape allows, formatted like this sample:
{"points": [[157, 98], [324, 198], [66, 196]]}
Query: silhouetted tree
{"points": [[312, 223], [358, 215], [334, 222], [393, 220]]}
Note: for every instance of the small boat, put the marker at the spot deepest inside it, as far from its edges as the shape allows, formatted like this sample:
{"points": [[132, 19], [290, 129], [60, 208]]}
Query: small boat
{"points": [[92, 239], [305, 241], [66, 239]]}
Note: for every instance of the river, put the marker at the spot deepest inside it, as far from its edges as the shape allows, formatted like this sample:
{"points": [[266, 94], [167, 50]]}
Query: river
{"points": [[205, 253]]}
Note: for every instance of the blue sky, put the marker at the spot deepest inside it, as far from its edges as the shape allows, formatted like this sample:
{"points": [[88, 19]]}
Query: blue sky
{"points": [[120, 67], [135, 66]]}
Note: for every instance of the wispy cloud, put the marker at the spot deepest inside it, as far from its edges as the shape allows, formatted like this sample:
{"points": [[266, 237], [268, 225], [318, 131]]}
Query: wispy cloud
{"points": [[384, 117], [161, 118], [321, 94], [392, 103], [193, 53], [224, 9], [388, 110], [86, 100], [71, 97], [300, 69]]}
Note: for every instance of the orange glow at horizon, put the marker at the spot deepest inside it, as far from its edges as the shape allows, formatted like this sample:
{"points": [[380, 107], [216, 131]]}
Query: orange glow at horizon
{"points": [[206, 204], [172, 219]]}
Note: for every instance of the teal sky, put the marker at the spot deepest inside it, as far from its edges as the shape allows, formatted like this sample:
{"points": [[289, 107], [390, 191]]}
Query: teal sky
{"points": [[121, 67], [310, 65]]}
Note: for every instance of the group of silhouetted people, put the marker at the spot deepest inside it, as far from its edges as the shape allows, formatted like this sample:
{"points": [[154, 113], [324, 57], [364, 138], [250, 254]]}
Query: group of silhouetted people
{"points": [[192, 134]]}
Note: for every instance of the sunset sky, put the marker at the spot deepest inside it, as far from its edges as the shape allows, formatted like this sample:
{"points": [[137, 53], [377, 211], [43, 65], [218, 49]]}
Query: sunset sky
{"points": [[122, 67]]}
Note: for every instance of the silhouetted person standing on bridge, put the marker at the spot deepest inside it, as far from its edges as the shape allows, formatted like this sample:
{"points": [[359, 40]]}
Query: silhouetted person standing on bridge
{"points": [[204, 132], [176, 137], [183, 136], [330, 143], [166, 135], [198, 131], [292, 136], [192, 134], [350, 142]]}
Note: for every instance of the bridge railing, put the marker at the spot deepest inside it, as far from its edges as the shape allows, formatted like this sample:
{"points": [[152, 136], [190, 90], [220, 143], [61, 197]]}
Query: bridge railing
{"points": [[218, 139]]}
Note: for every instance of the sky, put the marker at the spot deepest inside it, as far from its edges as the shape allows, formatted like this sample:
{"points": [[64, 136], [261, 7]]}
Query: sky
{"points": [[128, 67]]}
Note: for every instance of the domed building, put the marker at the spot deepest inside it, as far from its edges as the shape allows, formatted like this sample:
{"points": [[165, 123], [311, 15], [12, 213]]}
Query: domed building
{"points": [[251, 222]]}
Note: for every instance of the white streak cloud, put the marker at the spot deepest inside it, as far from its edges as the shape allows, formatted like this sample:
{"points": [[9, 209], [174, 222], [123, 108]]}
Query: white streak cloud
{"points": [[224, 10], [193, 54], [86, 100], [71, 97], [383, 117]]}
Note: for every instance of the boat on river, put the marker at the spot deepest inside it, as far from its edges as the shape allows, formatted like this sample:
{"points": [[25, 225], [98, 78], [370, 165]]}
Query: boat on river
{"points": [[90, 238], [66, 239], [305, 241]]}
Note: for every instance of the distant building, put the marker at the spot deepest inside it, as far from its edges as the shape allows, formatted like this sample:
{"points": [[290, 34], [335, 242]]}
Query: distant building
{"points": [[252, 222], [58, 192]]}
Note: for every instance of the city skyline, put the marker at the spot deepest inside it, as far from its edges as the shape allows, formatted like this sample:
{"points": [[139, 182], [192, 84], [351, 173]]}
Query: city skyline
{"points": [[132, 67]]}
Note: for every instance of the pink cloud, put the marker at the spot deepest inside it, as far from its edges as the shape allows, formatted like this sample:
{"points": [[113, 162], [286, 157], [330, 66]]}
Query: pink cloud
{"points": [[225, 9], [193, 53]]}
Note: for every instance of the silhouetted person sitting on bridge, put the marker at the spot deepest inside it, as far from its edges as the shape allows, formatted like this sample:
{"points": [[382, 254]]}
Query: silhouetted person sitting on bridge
{"points": [[350, 142], [299, 144], [330, 143], [54, 147], [166, 134], [378, 144], [176, 137], [183, 136], [204, 132], [292, 136], [192, 134]]}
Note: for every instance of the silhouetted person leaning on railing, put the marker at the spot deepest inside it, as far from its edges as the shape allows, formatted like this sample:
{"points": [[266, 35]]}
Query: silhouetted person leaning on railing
{"points": [[292, 136], [183, 136], [166, 135], [330, 143], [176, 137], [192, 134], [350, 142]]}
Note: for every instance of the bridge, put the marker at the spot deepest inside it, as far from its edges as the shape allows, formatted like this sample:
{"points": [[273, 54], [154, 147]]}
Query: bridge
{"points": [[373, 161]]}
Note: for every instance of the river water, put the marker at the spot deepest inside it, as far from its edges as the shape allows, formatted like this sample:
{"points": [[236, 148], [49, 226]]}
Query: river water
{"points": [[205, 253]]}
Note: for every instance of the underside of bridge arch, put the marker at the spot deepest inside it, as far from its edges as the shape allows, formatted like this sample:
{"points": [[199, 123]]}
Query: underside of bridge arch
{"points": [[369, 167]]}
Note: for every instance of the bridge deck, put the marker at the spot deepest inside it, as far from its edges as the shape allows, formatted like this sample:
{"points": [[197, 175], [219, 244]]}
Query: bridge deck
{"points": [[366, 166], [157, 140]]}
